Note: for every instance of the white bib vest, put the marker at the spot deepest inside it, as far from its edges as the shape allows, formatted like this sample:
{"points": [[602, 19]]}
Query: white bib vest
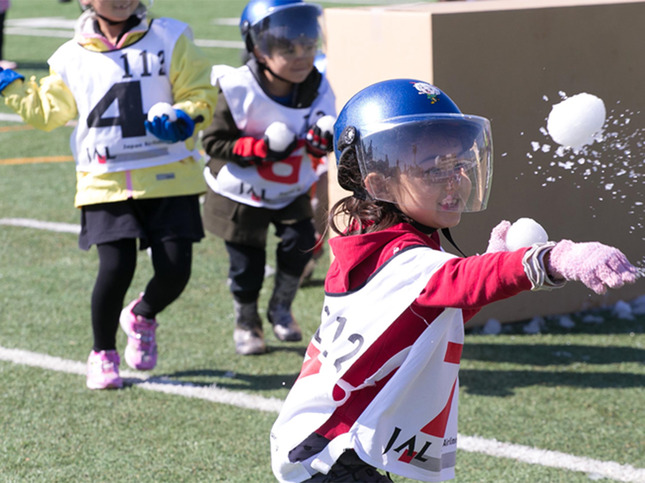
{"points": [[114, 91], [410, 427], [272, 185]]}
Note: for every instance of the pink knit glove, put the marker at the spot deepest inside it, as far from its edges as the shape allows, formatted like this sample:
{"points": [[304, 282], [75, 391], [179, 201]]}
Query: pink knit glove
{"points": [[596, 265], [497, 241]]}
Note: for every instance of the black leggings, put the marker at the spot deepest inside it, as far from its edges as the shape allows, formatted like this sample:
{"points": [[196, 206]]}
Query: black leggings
{"points": [[2, 15], [246, 263], [171, 261]]}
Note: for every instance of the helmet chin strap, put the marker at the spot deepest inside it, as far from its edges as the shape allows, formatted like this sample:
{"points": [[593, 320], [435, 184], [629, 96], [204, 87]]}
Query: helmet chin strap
{"points": [[448, 235], [263, 66]]}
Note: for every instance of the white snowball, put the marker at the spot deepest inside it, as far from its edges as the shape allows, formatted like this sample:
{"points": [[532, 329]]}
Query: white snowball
{"points": [[524, 233], [279, 136], [326, 123], [161, 108], [575, 121]]}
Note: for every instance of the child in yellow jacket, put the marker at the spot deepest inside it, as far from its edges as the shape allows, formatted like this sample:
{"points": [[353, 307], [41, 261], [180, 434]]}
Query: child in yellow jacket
{"points": [[140, 89]]}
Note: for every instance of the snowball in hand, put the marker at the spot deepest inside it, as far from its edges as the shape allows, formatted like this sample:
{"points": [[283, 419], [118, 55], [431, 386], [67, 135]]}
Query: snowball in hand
{"points": [[161, 108], [576, 120], [524, 233], [326, 123], [279, 136]]}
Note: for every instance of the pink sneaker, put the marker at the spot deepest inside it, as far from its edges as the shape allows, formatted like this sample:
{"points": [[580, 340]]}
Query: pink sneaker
{"points": [[103, 370], [141, 351]]}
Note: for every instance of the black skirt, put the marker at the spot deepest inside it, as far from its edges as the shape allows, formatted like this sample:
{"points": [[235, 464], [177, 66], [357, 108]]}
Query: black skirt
{"points": [[152, 220]]}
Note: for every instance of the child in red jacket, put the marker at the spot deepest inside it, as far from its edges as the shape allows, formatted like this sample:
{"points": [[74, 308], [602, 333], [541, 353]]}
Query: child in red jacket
{"points": [[379, 385]]}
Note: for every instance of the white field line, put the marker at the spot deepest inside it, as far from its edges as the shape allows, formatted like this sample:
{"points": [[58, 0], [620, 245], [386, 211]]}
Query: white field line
{"points": [[491, 447], [222, 44], [67, 34], [55, 27], [150, 383], [42, 225], [554, 459], [10, 117]]}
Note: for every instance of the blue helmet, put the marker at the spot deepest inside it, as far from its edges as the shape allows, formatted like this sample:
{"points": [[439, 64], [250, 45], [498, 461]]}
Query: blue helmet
{"points": [[410, 127], [265, 23]]}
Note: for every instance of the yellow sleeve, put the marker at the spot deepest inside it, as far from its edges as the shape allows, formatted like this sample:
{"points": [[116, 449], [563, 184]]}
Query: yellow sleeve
{"points": [[192, 91], [45, 105]]}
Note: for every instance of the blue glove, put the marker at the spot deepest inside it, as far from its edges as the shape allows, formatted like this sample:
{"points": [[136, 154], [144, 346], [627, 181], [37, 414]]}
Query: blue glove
{"points": [[7, 76], [172, 131]]}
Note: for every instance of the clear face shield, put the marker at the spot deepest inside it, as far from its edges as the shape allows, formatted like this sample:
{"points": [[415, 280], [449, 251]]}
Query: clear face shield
{"points": [[289, 32], [445, 161]]}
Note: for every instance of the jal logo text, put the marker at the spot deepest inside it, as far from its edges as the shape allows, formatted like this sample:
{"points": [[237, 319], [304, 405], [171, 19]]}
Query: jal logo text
{"points": [[101, 158], [411, 448]]}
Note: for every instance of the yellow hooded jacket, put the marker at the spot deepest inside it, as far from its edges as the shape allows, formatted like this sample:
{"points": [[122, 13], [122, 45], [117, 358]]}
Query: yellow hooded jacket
{"points": [[49, 104]]}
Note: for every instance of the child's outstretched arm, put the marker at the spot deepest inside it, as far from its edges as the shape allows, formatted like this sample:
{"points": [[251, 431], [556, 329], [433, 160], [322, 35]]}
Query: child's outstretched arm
{"points": [[45, 105], [471, 283], [596, 265]]}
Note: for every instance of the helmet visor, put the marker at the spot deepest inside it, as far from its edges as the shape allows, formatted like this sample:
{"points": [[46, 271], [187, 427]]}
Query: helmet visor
{"points": [[289, 32], [447, 157]]}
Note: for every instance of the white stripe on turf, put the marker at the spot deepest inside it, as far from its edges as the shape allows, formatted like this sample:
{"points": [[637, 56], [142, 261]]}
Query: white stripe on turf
{"points": [[10, 117], [554, 459], [144, 381], [525, 454], [42, 225]]}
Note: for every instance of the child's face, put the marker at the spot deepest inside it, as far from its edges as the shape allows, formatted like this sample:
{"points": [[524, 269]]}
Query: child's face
{"points": [[114, 10], [434, 192], [438, 204], [293, 61]]}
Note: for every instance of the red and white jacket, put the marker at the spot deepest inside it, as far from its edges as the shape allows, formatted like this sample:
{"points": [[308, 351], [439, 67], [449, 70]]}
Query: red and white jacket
{"points": [[380, 376]]}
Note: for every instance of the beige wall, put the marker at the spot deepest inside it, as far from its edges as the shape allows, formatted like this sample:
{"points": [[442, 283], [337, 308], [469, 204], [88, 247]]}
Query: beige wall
{"points": [[500, 59]]}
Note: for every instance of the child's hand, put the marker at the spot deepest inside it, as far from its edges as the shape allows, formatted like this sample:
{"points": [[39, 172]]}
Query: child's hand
{"points": [[596, 265], [497, 241], [320, 137], [172, 131], [279, 141], [7, 76]]}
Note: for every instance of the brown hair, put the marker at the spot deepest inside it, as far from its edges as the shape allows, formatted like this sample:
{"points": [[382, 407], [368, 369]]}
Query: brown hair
{"points": [[360, 213]]}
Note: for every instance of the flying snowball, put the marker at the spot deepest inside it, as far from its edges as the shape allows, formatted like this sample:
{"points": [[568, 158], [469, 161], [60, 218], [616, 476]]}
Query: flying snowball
{"points": [[575, 121], [524, 233], [161, 108]]}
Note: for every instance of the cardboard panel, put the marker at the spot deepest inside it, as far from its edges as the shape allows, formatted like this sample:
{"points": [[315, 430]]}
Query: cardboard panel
{"points": [[510, 61]]}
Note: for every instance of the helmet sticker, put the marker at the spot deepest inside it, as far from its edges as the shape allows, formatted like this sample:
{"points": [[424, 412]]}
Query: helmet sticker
{"points": [[430, 91]]}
